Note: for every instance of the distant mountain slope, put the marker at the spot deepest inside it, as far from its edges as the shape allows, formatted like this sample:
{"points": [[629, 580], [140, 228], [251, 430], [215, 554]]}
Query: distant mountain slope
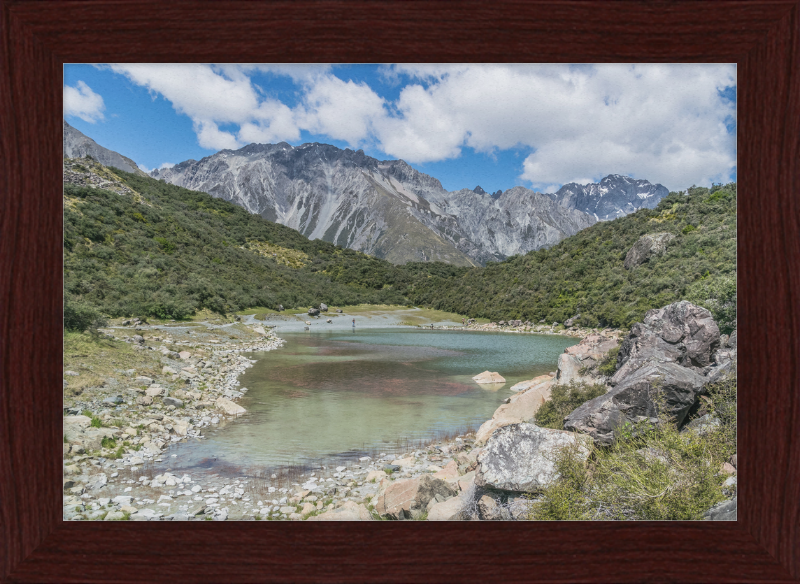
{"points": [[614, 196], [384, 208], [514, 222], [78, 145]]}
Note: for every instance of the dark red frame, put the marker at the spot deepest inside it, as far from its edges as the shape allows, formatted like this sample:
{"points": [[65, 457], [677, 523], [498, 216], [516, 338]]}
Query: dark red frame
{"points": [[39, 36]]}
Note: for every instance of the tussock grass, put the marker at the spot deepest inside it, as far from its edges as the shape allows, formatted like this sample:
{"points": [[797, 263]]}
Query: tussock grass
{"points": [[564, 399], [649, 473]]}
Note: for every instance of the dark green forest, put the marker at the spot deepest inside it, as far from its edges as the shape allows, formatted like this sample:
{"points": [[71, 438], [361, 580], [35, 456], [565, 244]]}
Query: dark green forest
{"points": [[167, 252]]}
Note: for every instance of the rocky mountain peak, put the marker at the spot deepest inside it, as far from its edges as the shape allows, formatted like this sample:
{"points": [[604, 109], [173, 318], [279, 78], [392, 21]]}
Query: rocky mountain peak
{"points": [[614, 196]]}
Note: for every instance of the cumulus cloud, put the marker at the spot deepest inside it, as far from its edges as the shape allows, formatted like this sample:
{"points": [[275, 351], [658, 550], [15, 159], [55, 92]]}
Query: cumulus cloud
{"points": [[342, 110], [80, 101], [666, 123]]}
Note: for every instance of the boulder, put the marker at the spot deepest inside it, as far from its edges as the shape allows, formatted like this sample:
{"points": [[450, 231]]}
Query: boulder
{"points": [[153, 391], [680, 332], [450, 510], [521, 409], [173, 401], [450, 471], [313, 311], [526, 385], [76, 422], [180, 427], [184, 355], [489, 509], [350, 511], [647, 246], [489, 377], [635, 399], [521, 457], [229, 407], [97, 482], [587, 353], [323, 307], [398, 499]]}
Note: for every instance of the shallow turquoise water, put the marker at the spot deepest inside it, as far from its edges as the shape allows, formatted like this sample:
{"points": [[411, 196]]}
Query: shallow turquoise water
{"points": [[338, 395]]}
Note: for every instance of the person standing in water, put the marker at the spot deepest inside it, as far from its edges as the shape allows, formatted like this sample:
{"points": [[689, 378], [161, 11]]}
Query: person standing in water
{"points": [[354, 324]]}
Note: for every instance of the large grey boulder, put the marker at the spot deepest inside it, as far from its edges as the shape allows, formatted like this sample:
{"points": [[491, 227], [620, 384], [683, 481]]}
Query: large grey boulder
{"points": [[313, 311], [647, 247], [521, 457], [638, 398], [680, 332]]}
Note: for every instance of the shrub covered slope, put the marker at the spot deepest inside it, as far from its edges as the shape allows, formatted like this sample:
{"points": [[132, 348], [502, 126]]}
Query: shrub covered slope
{"points": [[584, 274], [155, 249], [165, 251]]}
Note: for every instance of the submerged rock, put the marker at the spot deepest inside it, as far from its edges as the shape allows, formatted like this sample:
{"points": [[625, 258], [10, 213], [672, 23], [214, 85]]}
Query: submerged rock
{"points": [[489, 377]]}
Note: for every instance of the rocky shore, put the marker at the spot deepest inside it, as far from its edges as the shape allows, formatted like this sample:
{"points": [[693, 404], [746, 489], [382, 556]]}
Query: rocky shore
{"points": [[492, 474]]}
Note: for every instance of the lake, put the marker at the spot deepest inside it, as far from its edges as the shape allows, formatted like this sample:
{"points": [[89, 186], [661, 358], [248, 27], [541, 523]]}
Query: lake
{"points": [[334, 395]]}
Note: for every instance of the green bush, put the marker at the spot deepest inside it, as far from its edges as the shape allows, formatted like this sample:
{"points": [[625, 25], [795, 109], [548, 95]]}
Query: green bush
{"points": [[718, 295], [564, 399], [79, 317], [608, 365]]}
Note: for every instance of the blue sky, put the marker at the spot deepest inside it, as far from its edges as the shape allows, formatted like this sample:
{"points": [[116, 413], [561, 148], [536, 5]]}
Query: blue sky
{"points": [[496, 126]]}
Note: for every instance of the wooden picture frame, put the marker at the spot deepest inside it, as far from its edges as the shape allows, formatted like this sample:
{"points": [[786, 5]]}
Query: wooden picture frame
{"points": [[38, 37]]}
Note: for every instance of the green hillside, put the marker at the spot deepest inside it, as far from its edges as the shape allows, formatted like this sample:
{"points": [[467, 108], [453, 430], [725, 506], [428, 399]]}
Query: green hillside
{"points": [[166, 252], [137, 246], [584, 274]]}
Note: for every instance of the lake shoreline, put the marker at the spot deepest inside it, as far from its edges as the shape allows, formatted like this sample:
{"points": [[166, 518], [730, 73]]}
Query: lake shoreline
{"points": [[98, 486]]}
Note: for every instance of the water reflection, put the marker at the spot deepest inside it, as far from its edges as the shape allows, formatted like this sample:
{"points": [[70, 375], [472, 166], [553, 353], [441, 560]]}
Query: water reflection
{"points": [[325, 394]]}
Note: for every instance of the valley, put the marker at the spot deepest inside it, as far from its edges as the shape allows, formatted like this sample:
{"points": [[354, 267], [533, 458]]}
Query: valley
{"points": [[190, 316]]}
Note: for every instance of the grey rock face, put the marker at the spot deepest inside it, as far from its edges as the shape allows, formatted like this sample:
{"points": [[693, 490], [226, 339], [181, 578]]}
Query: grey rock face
{"points": [[724, 511], [680, 332], [636, 399], [78, 145], [516, 222], [520, 457], [384, 208], [661, 364], [647, 247], [614, 196], [313, 311]]}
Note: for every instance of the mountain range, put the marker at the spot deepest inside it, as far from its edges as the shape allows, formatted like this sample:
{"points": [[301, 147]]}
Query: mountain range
{"points": [[387, 208]]}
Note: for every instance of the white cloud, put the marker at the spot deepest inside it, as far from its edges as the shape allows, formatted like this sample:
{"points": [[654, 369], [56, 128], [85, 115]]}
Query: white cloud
{"points": [[80, 101], [342, 110], [665, 123], [660, 122]]}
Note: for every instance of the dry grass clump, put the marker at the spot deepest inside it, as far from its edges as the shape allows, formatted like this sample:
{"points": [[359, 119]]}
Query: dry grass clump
{"points": [[649, 473]]}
